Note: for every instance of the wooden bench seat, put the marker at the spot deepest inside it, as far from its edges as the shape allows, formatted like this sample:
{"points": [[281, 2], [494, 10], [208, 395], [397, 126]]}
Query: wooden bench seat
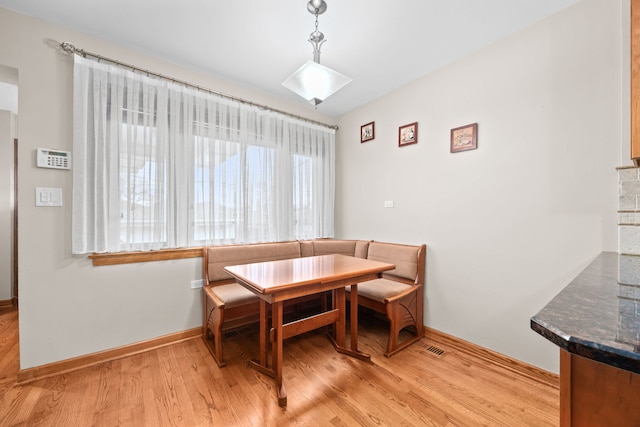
{"points": [[399, 294], [226, 304]]}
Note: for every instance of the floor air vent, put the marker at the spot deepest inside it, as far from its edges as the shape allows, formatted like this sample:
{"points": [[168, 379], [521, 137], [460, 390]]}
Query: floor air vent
{"points": [[435, 350], [431, 348]]}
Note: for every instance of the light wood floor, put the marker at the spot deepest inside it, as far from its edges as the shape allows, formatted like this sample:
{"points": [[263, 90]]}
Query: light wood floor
{"points": [[181, 385]]}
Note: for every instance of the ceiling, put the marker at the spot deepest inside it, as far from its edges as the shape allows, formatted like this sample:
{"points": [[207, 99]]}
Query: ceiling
{"points": [[382, 45]]}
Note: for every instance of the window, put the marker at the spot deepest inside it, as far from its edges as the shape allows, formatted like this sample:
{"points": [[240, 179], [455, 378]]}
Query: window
{"points": [[160, 166]]}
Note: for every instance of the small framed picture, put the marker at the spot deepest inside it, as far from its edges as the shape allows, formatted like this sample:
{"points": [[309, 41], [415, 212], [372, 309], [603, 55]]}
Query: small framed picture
{"points": [[367, 132], [408, 134], [464, 138]]}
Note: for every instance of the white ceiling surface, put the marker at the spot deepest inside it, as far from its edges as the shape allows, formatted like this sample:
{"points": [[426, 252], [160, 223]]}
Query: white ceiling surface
{"points": [[382, 45]]}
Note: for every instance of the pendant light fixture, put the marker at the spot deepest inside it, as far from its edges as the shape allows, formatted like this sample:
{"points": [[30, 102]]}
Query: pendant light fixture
{"points": [[313, 81]]}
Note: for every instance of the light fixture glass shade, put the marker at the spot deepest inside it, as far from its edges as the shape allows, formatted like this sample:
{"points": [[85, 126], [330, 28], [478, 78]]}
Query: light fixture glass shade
{"points": [[315, 82]]}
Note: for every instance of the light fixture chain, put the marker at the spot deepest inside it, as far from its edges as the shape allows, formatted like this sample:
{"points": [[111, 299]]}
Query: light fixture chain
{"points": [[316, 38]]}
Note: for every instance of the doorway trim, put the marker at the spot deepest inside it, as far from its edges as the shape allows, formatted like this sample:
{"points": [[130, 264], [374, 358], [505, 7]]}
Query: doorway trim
{"points": [[14, 272]]}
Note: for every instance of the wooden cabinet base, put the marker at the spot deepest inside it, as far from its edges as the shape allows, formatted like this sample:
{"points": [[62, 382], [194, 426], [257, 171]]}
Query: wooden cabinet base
{"points": [[594, 394]]}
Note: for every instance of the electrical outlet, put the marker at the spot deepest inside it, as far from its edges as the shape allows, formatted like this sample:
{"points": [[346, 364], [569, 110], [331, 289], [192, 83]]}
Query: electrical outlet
{"points": [[388, 203], [196, 284]]}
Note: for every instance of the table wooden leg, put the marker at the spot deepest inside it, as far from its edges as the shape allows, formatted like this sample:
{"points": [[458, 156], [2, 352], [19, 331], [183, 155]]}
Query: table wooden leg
{"points": [[276, 351], [354, 317], [341, 324], [263, 333], [332, 328], [261, 365], [338, 341]]}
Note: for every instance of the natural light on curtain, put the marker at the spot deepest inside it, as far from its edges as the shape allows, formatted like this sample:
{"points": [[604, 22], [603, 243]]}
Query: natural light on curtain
{"points": [[158, 165]]}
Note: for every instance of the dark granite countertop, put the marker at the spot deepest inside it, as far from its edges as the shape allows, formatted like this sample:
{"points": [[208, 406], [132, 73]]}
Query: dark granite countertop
{"points": [[597, 315]]}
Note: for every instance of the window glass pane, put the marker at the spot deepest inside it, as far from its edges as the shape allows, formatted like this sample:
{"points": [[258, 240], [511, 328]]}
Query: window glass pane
{"points": [[303, 202], [233, 189], [216, 189], [142, 184]]}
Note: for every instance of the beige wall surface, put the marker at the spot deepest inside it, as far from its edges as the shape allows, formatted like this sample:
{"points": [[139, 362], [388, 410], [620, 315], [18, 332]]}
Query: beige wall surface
{"points": [[68, 307], [509, 224]]}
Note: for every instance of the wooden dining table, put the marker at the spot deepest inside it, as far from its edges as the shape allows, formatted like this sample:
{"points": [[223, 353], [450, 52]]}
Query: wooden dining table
{"points": [[278, 281]]}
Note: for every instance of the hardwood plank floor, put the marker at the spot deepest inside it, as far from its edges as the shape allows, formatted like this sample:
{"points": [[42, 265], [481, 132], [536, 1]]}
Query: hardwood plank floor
{"points": [[181, 385]]}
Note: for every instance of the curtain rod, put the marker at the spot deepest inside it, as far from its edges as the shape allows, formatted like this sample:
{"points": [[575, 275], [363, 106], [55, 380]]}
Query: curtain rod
{"points": [[70, 48]]}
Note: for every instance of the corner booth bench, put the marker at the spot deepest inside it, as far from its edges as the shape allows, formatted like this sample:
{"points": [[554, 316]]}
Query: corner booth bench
{"points": [[398, 294]]}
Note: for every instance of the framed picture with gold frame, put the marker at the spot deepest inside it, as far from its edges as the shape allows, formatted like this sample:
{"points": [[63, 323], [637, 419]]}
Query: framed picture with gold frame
{"points": [[367, 132], [408, 134], [464, 138]]}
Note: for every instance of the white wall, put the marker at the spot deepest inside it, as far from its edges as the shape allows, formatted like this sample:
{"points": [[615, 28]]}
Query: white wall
{"points": [[68, 307], [510, 224]]}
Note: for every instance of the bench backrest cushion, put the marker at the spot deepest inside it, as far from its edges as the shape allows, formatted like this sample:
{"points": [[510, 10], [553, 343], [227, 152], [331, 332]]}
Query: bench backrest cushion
{"points": [[218, 257], [404, 257], [357, 248]]}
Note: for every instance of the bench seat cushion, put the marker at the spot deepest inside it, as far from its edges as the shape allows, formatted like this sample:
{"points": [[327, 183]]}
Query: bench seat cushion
{"points": [[233, 295], [379, 289]]}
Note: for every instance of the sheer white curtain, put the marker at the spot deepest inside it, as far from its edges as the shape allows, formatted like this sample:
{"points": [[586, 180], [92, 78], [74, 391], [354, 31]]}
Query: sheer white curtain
{"points": [[158, 165]]}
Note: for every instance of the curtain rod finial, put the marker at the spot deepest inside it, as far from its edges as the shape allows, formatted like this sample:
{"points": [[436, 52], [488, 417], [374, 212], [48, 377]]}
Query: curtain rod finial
{"points": [[70, 48]]}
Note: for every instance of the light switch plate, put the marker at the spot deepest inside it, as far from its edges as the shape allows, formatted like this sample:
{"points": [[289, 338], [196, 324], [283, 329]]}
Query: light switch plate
{"points": [[48, 196]]}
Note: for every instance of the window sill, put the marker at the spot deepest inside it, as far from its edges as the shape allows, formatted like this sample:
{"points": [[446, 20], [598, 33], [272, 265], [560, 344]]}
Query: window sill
{"points": [[144, 256]]}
